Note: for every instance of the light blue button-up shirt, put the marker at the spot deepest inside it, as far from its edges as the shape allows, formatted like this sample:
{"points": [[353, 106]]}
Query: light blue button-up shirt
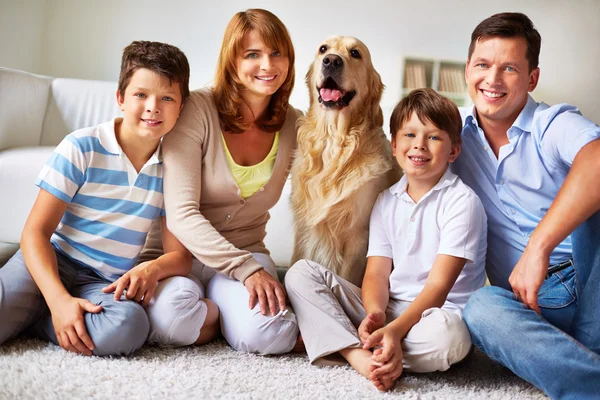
{"points": [[518, 187]]}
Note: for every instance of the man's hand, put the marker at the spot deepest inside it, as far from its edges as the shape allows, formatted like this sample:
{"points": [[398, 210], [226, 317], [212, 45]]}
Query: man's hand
{"points": [[389, 356], [370, 324], [267, 290], [69, 324], [140, 283], [528, 275]]}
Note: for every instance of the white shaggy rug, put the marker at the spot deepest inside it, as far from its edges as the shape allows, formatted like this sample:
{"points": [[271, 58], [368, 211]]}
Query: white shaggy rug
{"points": [[31, 369]]}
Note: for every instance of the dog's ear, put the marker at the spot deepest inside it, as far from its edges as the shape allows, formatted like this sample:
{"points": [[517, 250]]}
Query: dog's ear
{"points": [[308, 79], [376, 90]]}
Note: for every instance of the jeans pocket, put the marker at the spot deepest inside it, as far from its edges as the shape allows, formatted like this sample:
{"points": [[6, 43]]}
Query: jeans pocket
{"points": [[558, 291]]}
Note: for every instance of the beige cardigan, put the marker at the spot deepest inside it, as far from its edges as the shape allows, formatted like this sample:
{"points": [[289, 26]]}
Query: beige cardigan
{"points": [[205, 209]]}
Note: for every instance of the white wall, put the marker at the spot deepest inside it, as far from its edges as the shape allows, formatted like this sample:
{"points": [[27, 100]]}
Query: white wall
{"points": [[84, 38], [22, 26]]}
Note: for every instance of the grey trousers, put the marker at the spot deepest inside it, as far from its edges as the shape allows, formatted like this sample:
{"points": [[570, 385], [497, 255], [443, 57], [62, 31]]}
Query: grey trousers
{"points": [[119, 329], [329, 310]]}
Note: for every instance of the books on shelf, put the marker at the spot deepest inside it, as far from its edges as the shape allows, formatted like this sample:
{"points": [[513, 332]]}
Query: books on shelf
{"points": [[415, 76], [451, 79]]}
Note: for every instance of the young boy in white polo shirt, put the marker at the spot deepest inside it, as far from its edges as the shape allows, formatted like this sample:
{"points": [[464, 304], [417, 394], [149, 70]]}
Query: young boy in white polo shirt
{"points": [[99, 194], [427, 244]]}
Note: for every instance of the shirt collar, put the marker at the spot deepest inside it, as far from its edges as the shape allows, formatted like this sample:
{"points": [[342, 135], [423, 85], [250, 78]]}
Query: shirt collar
{"points": [[107, 137], [525, 118], [399, 189], [523, 122], [108, 140]]}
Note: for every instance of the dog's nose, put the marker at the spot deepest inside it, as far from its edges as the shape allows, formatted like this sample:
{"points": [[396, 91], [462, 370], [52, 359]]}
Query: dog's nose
{"points": [[333, 62]]}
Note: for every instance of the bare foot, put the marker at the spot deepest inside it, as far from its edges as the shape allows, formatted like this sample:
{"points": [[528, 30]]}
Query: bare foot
{"points": [[359, 359], [382, 384]]}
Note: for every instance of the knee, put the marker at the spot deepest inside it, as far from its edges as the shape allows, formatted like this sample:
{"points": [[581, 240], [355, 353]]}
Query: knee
{"points": [[303, 274], [262, 334], [176, 313], [120, 329], [487, 313]]}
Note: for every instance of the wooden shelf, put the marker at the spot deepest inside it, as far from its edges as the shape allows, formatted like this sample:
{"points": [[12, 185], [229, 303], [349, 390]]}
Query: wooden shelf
{"points": [[444, 76]]}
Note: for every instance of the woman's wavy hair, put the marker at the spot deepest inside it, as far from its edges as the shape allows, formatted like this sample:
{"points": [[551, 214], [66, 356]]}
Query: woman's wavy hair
{"points": [[228, 89]]}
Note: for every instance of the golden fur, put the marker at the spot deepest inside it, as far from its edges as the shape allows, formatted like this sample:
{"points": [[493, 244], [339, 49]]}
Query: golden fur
{"points": [[343, 160]]}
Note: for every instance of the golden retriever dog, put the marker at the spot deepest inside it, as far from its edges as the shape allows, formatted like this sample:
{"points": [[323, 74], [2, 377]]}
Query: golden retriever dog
{"points": [[343, 159]]}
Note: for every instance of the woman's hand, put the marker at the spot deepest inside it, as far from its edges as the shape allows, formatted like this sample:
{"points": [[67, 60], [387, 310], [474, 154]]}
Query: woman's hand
{"points": [[140, 283], [267, 290]]}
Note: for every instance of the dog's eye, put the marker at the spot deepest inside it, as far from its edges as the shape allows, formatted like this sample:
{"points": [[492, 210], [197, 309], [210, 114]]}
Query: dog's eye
{"points": [[355, 53], [322, 49]]}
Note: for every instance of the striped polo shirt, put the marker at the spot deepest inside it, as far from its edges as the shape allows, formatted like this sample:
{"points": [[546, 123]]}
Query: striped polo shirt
{"points": [[110, 205]]}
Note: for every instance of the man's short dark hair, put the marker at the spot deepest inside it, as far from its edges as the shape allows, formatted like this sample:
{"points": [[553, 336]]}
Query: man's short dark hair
{"points": [[161, 58], [510, 25], [431, 106]]}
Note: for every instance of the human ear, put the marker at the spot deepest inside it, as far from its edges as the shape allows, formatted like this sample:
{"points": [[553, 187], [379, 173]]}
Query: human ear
{"points": [[120, 100], [534, 77], [454, 152]]}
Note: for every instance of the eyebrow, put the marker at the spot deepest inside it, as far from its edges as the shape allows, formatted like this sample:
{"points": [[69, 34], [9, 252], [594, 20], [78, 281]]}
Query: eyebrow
{"points": [[165, 91]]}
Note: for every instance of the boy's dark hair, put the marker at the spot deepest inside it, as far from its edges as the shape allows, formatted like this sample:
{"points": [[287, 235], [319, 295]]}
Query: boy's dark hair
{"points": [[508, 25], [162, 58], [429, 106]]}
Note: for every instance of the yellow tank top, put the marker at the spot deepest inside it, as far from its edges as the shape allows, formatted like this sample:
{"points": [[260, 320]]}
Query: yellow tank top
{"points": [[250, 179]]}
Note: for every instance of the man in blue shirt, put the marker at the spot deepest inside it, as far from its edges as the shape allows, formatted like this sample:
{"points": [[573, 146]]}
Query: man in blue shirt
{"points": [[536, 170]]}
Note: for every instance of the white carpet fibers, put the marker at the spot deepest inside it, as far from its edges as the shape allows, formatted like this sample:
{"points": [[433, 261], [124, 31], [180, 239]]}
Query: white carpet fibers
{"points": [[31, 369]]}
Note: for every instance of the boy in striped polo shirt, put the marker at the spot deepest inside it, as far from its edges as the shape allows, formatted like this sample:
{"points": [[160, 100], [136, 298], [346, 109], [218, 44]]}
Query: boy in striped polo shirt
{"points": [[99, 194]]}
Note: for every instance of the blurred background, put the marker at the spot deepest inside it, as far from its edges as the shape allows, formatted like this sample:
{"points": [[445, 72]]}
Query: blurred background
{"points": [[85, 38]]}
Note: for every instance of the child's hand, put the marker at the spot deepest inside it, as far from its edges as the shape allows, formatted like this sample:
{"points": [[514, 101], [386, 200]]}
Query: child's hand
{"points": [[370, 324], [387, 361], [69, 325], [140, 283]]}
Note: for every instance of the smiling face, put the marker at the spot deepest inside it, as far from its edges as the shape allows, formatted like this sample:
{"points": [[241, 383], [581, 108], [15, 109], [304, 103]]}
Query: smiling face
{"points": [[342, 76], [261, 70], [423, 151], [499, 79], [150, 105]]}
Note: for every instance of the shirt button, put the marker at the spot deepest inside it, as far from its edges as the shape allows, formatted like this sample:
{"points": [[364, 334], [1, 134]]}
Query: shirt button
{"points": [[412, 219], [228, 217], [501, 182], [262, 189], [513, 211], [242, 201], [486, 148]]}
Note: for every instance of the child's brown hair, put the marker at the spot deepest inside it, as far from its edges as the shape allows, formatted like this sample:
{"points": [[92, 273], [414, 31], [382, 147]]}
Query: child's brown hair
{"points": [[429, 106], [161, 58]]}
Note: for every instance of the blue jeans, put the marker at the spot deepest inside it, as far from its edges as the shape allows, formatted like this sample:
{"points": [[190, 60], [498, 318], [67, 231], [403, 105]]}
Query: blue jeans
{"points": [[557, 351], [119, 329]]}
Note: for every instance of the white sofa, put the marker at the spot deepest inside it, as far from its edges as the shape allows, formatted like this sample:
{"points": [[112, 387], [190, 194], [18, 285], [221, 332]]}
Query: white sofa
{"points": [[36, 112]]}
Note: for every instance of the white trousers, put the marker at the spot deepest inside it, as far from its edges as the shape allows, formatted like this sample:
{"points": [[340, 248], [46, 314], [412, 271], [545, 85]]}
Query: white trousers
{"points": [[247, 329], [329, 310], [176, 312]]}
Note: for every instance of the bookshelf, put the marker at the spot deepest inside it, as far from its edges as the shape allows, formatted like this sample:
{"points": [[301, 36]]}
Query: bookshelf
{"points": [[446, 77]]}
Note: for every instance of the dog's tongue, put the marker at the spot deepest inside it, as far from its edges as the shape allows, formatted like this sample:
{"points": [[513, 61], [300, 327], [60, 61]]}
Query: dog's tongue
{"points": [[331, 94]]}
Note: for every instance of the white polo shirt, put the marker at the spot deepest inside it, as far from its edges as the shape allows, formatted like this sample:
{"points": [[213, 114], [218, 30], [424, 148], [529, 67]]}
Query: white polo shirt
{"points": [[449, 219], [110, 205]]}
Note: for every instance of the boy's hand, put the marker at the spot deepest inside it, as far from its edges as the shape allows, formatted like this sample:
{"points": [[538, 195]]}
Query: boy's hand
{"points": [[140, 283], [370, 324], [390, 354], [69, 324]]}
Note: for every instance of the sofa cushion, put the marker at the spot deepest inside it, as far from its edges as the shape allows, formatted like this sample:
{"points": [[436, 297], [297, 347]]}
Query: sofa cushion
{"points": [[22, 107], [280, 229], [76, 104], [19, 169]]}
